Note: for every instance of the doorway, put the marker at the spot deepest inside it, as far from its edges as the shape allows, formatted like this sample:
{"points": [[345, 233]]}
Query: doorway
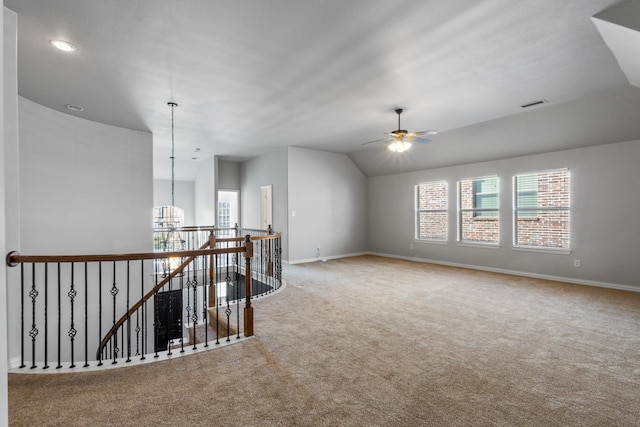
{"points": [[266, 206], [228, 209]]}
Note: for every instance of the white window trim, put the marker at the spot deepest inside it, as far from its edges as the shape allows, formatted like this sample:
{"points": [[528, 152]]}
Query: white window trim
{"points": [[515, 210], [470, 243], [418, 211]]}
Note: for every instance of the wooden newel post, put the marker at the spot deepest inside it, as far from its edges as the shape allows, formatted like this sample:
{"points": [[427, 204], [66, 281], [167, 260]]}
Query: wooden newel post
{"points": [[248, 309], [212, 271]]}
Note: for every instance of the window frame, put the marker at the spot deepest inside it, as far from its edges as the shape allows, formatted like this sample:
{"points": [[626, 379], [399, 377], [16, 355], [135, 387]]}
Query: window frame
{"points": [[419, 211], [476, 213], [535, 213]]}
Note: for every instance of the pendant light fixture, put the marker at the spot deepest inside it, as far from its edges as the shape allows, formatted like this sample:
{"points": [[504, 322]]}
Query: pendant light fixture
{"points": [[173, 105], [173, 240]]}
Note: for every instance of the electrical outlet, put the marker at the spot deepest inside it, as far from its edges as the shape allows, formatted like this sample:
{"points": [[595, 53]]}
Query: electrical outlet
{"points": [[411, 246], [576, 263]]}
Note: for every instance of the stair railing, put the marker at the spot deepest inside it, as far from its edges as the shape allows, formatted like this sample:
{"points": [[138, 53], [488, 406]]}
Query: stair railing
{"points": [[66, 300]]}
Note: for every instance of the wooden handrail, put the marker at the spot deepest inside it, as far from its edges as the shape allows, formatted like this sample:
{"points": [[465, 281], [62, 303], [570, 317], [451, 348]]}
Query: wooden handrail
{"points": [[247, 248], [14, 258], [152, 292], [230, 245]]}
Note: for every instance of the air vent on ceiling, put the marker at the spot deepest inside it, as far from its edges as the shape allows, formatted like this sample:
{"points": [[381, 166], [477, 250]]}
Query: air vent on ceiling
{"points": [[73, 107], [531, 104]]}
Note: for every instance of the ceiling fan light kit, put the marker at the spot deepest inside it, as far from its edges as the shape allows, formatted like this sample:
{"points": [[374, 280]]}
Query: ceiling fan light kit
{"points": [[401, 140], [399, 146]]}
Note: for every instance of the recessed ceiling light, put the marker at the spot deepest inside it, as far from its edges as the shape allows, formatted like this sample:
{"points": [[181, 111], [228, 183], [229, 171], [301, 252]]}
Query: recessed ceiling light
{"points": [[63, 45], [75, 107]]}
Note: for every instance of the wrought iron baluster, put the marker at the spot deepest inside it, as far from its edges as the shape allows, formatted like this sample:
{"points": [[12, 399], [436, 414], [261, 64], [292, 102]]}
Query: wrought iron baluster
{"points": [[33, 333], [259, 264], [143, 311], [168, 315], [187, 308], [114, 292], [46, 316], [86, 317], [205, 299], [128, 315], [155, 317], [72, 330], [228, 310], [22, 365], [185, 288], [279, 262], [145, 331], [237, 298], [100, 312], [216, 298], [194, 315], [181, 311], [59, 319], [137, 329]]}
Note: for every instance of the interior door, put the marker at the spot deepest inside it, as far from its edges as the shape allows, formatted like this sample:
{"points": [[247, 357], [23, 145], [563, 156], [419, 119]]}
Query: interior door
{"points": [[266, 206]]}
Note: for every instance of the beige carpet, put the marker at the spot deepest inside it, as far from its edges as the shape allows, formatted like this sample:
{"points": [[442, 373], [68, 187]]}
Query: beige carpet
{"points": [[372, 341]]}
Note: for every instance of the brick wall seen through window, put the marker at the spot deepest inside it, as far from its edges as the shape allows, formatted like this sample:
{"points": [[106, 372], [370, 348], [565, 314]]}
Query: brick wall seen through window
{"points": [[431, 213]]}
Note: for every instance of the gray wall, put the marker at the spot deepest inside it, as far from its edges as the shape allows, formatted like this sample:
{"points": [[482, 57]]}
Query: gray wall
{"points": [[270, 169], [8, 193], [327, 192], [183, 194], [205, 193], [85, 187], [604, 221], [228, 175]]}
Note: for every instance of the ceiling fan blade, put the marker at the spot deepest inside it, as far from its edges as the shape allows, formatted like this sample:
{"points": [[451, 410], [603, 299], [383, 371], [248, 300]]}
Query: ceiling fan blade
{"points": [[423, 133], [377, 140], [413, 138]]}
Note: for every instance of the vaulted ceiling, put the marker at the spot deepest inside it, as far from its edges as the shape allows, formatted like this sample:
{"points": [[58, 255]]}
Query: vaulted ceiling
{"points": [[253, 76]]}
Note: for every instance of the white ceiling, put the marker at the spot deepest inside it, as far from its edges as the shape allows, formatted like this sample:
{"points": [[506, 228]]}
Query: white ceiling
{"points": [[251, 76]]}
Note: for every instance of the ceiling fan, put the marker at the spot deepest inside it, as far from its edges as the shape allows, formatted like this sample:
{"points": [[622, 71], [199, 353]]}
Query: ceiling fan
{"points": [[400, 140]]}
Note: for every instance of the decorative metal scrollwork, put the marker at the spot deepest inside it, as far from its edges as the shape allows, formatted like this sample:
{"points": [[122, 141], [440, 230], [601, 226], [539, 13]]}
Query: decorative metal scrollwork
{"points": [[33, 333]]}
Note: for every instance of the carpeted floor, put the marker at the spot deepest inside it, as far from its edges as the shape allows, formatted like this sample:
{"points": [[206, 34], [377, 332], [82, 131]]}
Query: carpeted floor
{"points": [[370, 341]]}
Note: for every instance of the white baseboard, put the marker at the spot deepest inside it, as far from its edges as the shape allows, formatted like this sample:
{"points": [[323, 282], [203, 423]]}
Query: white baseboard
{"points": [[14, 362], [326, 258], [574, 280]]}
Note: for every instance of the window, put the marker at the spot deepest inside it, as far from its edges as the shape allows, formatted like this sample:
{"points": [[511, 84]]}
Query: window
{"points": [[166, 222], [526, 194], [431, 212], [478, 210], [224, 214], [227, 212], [541, 210]]}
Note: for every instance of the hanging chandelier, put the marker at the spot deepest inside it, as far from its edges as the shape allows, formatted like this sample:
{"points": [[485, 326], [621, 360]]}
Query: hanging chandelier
{"points": [[172, 239], [173, 105]]}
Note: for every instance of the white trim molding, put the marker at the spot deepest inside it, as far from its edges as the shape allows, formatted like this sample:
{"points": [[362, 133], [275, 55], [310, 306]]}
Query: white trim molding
{"points": [[573, 280]]}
